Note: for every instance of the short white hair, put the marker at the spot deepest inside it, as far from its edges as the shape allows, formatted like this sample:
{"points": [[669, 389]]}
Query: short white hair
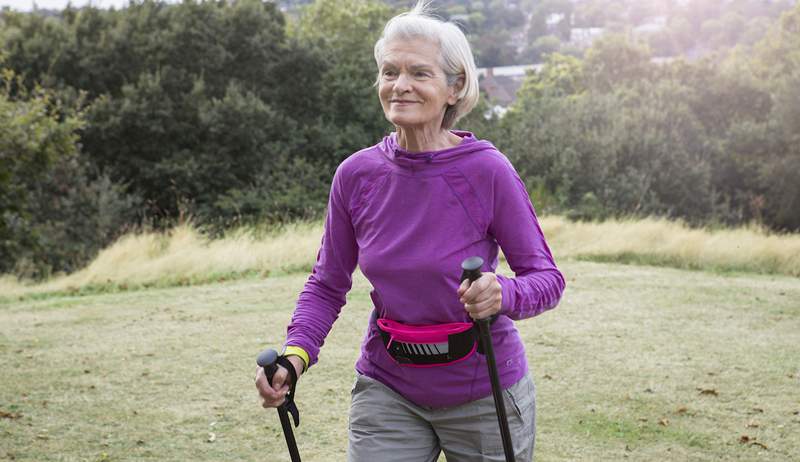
{"points": [[456, 56]]}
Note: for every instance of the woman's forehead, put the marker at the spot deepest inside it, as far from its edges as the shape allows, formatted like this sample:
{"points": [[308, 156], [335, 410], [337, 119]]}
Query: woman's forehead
{"points": [[412, 53]]}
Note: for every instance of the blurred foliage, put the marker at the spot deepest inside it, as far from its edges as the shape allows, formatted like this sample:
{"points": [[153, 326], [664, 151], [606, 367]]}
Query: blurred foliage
{"points": [[343, 33], [56, 213], [717, 140], [506, 33]]}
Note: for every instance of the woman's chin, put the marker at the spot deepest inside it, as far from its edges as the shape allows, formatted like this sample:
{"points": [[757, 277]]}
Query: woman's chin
{"points": [[405, 122]]}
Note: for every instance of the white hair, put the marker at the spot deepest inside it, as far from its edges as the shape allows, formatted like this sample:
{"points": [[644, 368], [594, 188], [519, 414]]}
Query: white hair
{"points": [[456, 60]]}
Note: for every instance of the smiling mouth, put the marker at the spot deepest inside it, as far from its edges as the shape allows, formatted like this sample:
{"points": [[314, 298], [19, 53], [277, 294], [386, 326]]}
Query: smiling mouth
{"points": [[398, 101]]}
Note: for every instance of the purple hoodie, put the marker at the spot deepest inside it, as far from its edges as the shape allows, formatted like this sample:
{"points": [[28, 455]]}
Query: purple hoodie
{"points": [[409, 220]]}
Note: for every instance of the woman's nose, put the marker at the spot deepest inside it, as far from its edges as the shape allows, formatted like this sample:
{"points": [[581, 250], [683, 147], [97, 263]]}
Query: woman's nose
{"points": [[402, 84]]}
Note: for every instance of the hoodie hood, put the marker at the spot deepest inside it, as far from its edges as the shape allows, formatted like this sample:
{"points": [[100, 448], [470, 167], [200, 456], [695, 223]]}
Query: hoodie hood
{"points": [[431, 160]]}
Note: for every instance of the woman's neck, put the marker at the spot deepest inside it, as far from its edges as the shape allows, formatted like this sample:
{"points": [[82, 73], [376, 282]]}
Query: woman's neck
{"points": [[421, 140]]}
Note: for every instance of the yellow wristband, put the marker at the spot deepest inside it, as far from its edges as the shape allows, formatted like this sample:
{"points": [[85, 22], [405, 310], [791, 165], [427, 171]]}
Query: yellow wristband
{"points": [[297, 351]]}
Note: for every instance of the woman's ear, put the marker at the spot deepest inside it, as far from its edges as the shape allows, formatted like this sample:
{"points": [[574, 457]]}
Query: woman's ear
{"points": [[454, 90]]}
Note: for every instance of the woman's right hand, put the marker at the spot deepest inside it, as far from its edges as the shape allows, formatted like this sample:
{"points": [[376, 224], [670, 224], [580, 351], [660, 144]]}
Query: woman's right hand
{"points": [[274, 395]]}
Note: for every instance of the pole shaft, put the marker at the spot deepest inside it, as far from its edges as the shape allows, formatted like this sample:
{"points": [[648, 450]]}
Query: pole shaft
{"points": [[471, 271], [497, 391], [288, 433]]}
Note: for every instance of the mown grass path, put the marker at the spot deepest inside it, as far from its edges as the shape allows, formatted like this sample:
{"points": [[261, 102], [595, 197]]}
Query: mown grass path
{"points": [[637, 363]]}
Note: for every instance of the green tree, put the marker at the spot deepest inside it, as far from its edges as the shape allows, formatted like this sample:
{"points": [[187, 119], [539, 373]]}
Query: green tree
{"points": [[186, 102], [32, 138], [635, 150], [538, 24], [561, 75], [55, 213], [776, 63], [344, 32], [614, 60], [540, 48]]}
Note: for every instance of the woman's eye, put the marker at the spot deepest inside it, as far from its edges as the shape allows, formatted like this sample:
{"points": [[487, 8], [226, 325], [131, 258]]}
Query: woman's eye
{"points": [[389, 73]]}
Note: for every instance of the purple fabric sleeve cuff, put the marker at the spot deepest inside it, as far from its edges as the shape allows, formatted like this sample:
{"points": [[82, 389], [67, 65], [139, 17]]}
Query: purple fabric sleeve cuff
{"points": [[508, 302]]}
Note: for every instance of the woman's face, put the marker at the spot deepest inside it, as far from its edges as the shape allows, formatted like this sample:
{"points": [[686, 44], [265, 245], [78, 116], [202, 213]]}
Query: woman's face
{"points": [[413, 88]]}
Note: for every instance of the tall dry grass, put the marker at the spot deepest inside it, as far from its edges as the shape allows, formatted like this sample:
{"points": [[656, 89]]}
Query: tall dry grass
{"points": [[670, 243], [184, 255]]}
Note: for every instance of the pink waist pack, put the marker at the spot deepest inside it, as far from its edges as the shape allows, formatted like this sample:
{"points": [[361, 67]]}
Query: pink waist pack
{"points": [[428, 345]]}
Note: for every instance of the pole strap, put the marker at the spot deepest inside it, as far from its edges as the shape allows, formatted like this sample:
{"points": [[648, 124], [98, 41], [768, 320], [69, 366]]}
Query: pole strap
{"points": [[289, 404]]}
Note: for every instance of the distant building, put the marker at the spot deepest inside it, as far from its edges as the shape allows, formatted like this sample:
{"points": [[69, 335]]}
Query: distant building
{"points": [[653, 25], [517, 70], [582, 37], [554, 19], [500, 84]]}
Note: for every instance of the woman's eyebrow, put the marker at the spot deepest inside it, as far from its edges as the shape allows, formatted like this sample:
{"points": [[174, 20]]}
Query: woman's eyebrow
{"points": [[413, 67]]}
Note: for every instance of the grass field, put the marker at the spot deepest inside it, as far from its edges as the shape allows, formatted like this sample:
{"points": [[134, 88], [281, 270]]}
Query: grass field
{"points": [[637, 363]]}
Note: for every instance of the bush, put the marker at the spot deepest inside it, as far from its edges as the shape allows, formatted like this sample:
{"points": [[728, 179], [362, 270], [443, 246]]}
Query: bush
{"points": [[74, 215], [56, 213]]}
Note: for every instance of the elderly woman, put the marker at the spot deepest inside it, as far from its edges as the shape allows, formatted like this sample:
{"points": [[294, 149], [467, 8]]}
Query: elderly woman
{"points": [[408, 211]]}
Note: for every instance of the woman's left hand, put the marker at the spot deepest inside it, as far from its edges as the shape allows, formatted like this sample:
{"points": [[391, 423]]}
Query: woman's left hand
{"points": [[482, 298]]}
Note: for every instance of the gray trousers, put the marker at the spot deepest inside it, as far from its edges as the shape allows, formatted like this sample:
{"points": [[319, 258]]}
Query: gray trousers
{"points": [[386, 427]]}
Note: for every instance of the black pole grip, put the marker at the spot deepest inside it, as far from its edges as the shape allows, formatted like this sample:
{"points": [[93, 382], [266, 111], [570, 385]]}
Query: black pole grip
{"points": [[471, 269], [268, 359]]}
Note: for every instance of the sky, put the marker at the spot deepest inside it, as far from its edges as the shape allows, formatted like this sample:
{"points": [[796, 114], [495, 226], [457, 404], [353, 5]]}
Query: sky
{"points": [[27, 5]]}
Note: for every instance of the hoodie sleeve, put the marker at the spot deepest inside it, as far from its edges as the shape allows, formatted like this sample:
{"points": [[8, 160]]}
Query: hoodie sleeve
{"points": [[324, 293], [538, 284]]}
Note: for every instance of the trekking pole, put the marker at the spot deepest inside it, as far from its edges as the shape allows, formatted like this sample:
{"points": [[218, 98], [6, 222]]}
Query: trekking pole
{"points": [[471, 270], [269, 360]]}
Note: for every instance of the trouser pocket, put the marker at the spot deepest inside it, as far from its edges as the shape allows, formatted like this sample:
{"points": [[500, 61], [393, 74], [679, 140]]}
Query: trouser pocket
{"points": [[520, 398], [520, 406]]}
